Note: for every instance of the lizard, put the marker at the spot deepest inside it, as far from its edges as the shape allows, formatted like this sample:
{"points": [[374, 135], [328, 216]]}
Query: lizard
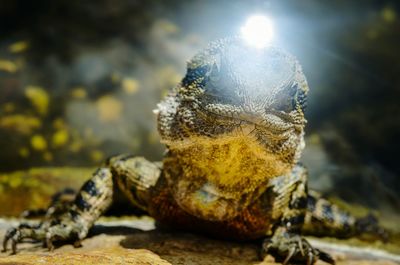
{"points": [[234, 132]]}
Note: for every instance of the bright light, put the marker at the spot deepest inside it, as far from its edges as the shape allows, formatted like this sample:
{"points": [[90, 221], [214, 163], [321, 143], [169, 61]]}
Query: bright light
{"points": [[258, 31]]}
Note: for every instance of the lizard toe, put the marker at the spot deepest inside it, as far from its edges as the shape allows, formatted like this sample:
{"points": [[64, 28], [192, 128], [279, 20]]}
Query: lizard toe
{"points": [[296, 249]]}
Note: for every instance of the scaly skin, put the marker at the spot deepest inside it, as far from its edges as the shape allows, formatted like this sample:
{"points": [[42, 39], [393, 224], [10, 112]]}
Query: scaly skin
{"points": [[234, 131]]}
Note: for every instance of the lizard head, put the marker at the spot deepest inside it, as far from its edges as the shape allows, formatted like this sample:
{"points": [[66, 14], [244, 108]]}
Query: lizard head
{"points": [[235, 121], [231, 88]]}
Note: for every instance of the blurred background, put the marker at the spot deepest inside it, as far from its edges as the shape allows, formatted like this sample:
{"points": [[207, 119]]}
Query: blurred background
{"points": [[79, 81]]}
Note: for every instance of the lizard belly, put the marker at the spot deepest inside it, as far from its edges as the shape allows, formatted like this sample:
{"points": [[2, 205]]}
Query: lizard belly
{"points": [[253, 222]]}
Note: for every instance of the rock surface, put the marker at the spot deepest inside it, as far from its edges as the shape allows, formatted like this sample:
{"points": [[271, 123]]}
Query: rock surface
{"points": [[128, 242]]}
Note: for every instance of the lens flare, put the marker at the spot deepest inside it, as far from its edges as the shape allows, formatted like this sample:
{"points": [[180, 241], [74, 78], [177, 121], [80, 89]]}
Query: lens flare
{"points": [[258, 31]]}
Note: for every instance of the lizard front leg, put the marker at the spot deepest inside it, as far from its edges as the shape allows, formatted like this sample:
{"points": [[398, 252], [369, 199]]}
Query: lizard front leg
{"points": [[286, 243], [133, 175], [92, 200]]}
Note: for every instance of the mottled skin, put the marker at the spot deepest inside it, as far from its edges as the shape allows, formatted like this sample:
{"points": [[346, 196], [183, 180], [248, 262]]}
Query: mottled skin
{"points": [[234, 131]]}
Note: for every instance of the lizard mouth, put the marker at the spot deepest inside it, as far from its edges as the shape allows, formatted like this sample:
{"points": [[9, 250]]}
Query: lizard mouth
{"points": [[268, 119]]}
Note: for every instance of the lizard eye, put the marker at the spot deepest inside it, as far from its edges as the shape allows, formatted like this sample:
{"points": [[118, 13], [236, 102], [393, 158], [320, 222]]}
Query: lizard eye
{"points": [[286, 99], [291, 98]]}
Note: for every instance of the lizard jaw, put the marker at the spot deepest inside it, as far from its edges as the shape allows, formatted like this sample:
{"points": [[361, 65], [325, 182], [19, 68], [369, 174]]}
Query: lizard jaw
{"points": [[269, 120]]}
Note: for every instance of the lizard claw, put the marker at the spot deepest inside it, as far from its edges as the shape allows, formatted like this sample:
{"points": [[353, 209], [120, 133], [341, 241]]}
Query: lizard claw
{"points": [[294, 248], [14, 235], [289, 256], [49, 242], [47, 232]]}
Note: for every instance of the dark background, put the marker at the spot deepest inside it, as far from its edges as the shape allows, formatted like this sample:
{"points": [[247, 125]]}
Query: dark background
{"points": [[102, 66]]}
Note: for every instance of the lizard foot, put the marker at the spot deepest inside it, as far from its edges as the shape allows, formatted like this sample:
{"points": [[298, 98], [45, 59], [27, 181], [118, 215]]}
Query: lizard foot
{"points": [[294, 249], [47, 232], [16, 235]]}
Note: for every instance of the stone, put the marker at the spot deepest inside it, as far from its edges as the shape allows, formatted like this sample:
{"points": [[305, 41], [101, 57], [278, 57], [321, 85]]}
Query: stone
{"points": [[135, 241]]}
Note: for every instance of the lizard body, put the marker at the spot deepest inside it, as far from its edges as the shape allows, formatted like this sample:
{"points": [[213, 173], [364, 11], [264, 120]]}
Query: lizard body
{"points": [[234, 132]]}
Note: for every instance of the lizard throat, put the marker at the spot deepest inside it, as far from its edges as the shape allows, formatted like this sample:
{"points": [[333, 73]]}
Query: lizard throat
{"points": [[229, 160]]}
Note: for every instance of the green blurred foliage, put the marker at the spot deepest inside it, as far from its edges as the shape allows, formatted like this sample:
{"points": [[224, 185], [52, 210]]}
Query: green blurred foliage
{"points": [[33, 189]]}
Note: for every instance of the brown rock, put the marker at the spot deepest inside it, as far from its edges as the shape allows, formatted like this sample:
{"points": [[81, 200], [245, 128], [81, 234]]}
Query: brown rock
{"points": [[120, 242], [116, 255]]}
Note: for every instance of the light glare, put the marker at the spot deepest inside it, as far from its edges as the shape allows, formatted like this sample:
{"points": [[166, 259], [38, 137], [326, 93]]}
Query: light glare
{"points": [[258, 31]]}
